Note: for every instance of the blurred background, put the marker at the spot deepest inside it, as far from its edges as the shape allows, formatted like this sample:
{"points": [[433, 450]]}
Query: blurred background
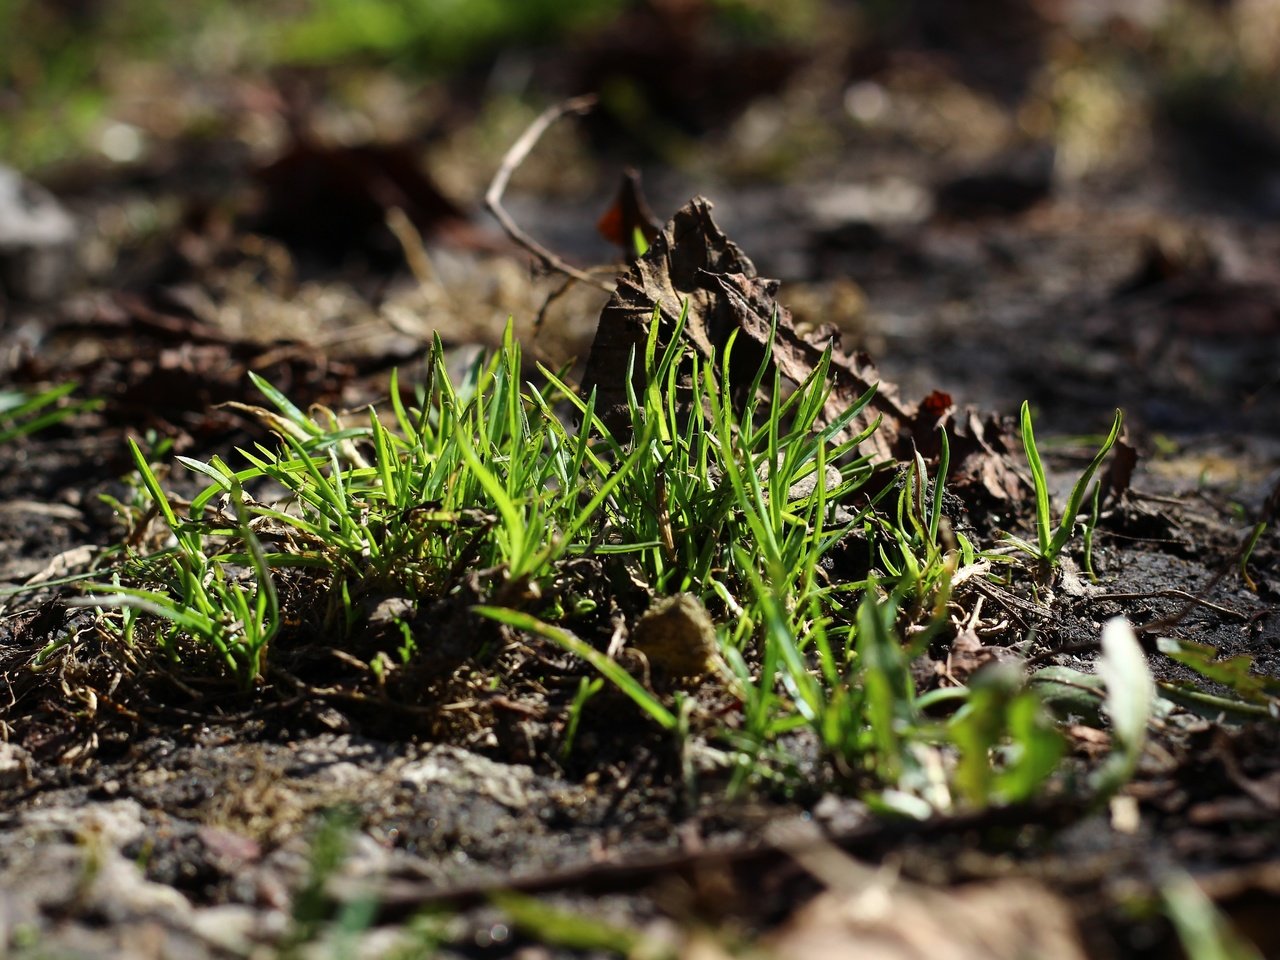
{"points": [[1072, 200]]}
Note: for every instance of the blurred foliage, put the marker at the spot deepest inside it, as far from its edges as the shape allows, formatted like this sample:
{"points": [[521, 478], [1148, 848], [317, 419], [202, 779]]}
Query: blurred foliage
{"points": [[68, 68], [430, 34], [61, 61], [57, 57]]}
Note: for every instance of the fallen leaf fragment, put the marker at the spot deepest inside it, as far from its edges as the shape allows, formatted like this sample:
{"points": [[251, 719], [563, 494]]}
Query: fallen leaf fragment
{"points": [[692, 262], [870, 913], [629, 217], [677, 635], [333, 200], [890, 919]]}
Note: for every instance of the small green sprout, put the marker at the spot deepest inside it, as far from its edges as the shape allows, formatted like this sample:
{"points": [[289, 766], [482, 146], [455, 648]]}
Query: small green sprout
{"points": [[1050, 540]]}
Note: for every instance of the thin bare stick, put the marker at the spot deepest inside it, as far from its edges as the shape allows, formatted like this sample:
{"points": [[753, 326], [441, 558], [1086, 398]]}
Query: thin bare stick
{"points": [[552, 297], [415, 251], [516, 156], [1174, 594]]}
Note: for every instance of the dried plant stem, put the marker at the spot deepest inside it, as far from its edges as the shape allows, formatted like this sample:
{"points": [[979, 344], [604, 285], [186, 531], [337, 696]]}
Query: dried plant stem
{"points": [[510, 163]]}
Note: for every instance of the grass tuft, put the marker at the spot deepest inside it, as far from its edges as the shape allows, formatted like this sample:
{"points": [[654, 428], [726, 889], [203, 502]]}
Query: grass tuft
{"points": [[491, 493]]}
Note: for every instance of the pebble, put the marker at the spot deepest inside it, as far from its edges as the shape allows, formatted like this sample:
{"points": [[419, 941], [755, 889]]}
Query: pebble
{"points": [[37, 240]]}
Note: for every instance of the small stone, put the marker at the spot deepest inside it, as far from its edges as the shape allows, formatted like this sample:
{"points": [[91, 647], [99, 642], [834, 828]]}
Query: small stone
{"points": [[37, 240], [15, 765], [677, 635], [806, 485]]}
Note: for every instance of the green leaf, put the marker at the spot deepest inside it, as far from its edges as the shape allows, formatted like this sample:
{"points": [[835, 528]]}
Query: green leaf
{"points": [[1205, 933], [284, 405], [1076, 499], [1034, 750], [149, 601], [639, 241], [1235, 672], [1072, 695], [153, 485], [569, 931]]}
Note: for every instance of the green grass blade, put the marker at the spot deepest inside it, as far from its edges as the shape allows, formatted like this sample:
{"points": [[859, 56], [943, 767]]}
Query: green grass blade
{"points": [[15, 404], [285, 405], [939, 486], [1063, 533], [149, 601], [609, 669], [1041, 485], [506, 507], [153, 485]]}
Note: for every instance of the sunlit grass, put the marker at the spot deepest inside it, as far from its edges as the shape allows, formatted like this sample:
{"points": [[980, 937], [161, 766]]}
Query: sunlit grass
{"points": [[503, 485]]}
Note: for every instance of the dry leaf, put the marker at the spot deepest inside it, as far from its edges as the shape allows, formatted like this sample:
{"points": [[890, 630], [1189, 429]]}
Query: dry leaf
{"points": [[692, 262]]}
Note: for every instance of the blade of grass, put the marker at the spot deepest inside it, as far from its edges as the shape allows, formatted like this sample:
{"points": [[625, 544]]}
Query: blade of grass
{"points": [[1039, 482], [610, 669], [1074, 501]]}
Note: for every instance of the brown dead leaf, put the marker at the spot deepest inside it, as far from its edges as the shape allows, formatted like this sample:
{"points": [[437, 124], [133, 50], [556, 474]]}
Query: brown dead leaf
{"points": [[153, 359], [966, 655], [983, 456], [332, 201], [1124, 460], [1010, 919], [872, 915], [693, 262]]}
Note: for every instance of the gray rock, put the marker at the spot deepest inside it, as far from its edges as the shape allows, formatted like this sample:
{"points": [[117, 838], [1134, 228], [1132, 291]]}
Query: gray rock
{"points": [[15, 765], [37, 240]]}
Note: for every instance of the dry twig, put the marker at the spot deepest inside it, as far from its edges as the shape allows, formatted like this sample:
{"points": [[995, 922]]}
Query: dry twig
{"points": [[510, 163]]}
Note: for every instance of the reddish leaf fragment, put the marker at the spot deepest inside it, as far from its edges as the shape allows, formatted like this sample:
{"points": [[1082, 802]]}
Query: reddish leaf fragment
{"points": [[629, 216], [937, 405]]}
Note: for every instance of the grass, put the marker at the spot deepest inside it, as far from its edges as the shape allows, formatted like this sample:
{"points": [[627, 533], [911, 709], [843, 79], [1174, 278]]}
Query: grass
{"points": [[199, 591], [1051, 540], [503, 492], [1204, 932], [499, 489], [23, 414]]}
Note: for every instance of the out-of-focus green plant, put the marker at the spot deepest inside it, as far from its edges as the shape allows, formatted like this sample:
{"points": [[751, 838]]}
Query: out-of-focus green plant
{"points": [[431, 34]]}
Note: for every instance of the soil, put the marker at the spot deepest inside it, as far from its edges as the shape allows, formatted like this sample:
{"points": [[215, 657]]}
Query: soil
{"points": [[150, 814]]}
